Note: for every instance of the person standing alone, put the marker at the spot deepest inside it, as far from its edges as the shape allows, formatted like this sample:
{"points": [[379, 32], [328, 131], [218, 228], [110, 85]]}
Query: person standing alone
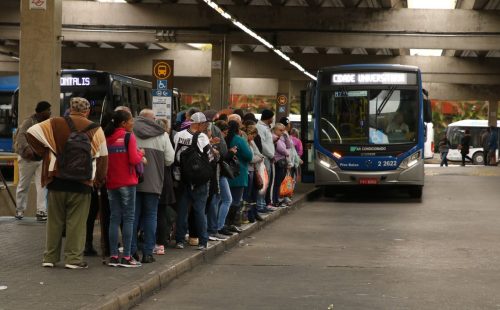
{"points": [[30, 165]]}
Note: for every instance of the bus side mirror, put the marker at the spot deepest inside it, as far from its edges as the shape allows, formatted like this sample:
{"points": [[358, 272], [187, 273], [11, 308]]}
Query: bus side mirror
{"points": [[427, 111]]}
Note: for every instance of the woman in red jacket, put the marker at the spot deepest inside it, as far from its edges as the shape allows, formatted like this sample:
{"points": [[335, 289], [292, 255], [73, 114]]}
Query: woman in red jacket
{"points": [[121, 182]]}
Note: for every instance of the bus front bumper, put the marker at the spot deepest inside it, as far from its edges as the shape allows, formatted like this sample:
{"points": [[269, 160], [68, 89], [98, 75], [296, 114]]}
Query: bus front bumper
{"points": [[337, 176]]}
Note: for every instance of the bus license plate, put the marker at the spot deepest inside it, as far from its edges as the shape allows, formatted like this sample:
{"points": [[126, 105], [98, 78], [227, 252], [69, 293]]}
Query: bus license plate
{"points": [[368, 181]]}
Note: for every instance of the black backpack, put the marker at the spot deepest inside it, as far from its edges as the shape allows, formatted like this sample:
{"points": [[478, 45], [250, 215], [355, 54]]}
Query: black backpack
{"points": [[75, 162], [194, 165]]}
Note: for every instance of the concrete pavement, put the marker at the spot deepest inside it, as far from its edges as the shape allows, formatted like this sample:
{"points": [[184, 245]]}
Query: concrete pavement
{"points": [[24, 284]]}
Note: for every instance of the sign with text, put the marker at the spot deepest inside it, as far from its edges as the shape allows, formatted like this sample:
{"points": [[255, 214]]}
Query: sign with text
{"points": [[374, 78], [162, 103]]}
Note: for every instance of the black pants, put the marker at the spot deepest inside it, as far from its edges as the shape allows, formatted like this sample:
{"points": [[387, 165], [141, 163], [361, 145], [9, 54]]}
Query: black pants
{"points": [[486, 157], [165, 220], [464, 157], [94, 210]]}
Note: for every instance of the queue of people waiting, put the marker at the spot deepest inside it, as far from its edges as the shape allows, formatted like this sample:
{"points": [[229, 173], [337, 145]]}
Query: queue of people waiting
{"points": [[155, 184]]}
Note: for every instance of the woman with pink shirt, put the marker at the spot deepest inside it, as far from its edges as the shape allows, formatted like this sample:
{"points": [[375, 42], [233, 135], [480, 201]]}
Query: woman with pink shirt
{"points": [[121, 182], [282, 146]]}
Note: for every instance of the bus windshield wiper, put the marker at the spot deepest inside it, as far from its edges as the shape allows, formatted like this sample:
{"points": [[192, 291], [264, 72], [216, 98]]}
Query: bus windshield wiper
{"points": [[386, 99]]}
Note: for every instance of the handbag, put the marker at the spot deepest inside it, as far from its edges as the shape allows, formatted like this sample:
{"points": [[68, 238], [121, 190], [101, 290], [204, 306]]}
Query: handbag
{"points": [[230, 168], [262, 172], [258, 182], [286, 187]]}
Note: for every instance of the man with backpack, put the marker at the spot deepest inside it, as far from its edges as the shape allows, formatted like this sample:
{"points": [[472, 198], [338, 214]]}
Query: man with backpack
{"points": [[75, 159], [192, 169]]}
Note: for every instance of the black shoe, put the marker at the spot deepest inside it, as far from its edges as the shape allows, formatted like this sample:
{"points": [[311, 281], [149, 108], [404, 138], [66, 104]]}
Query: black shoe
{"points": [[258, 217], [224, 231], [146, 259], [235, 229], [136, 257], [90, 251]]}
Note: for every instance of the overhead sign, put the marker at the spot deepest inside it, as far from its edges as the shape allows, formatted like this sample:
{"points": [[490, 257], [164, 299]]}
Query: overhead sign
{"points": [[163, 74], [374, 78], [282, 106], [38, 4]]}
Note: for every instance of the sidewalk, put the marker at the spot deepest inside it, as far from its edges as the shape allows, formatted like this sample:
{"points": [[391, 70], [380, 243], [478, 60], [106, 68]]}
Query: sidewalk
{"points": [[24, 284]]}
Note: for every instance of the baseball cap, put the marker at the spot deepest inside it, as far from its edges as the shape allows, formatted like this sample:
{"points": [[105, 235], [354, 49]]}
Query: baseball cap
{"points": [[79, 104], [198, 118]]}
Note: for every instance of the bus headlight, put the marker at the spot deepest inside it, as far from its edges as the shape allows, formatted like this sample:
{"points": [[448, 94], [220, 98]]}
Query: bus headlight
{"points": [[325, 161], [411, 160]]}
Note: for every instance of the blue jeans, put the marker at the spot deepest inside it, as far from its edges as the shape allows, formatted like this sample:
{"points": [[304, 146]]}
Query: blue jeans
{"points": [[197, 198], [226, 201], [146, 212], [444, 160], [122, 209], [218, 207]]}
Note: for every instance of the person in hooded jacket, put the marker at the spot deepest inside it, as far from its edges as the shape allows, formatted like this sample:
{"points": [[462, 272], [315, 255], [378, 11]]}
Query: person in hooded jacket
{"points": [[121, 182], [159, 153]]}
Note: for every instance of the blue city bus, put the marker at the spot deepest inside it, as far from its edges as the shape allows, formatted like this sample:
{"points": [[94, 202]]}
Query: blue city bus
{"points": [[8, 121], [104, 90], [368, 128]]}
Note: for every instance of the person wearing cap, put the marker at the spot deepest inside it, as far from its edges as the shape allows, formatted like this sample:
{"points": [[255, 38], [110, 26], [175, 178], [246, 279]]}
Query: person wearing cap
{"points": [[268, 150], [159, 153], [30, 165], [68, 200], [190, 195]]}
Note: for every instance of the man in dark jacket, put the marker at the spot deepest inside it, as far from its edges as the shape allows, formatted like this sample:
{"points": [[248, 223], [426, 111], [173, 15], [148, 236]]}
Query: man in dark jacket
{"points": [[30, 165], [465, 146], [485, 143]]}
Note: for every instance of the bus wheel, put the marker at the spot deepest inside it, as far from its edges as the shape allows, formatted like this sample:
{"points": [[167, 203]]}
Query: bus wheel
{"points": [[478, 158], [416, 192]]}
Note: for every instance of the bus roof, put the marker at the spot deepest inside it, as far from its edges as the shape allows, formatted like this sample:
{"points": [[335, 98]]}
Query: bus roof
{"points": [[472, 123], [9, 83]]}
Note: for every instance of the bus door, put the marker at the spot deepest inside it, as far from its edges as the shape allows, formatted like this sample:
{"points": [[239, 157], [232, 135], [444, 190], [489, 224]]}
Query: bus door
{"points": [[307, 134]]}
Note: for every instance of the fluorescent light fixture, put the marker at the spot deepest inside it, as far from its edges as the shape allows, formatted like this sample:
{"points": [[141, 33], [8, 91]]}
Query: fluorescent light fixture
{"points": [[425, 52], [251, 33], [432, 4]]}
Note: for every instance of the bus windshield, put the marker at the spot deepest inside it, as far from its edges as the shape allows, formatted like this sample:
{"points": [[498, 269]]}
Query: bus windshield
{"points": [[357, 116]]}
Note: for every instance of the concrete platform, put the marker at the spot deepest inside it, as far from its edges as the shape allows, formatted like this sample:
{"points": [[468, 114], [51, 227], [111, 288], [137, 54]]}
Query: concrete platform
{"points": [[24, 284]]}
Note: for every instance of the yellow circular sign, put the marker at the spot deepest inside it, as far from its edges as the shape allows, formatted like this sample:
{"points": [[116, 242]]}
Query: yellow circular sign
{"points": [[282, 99], [162, 70]]}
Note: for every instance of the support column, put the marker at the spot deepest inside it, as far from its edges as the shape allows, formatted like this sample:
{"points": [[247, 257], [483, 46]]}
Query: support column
{"points": [[492, 112], [40, 56], [219, 84]]}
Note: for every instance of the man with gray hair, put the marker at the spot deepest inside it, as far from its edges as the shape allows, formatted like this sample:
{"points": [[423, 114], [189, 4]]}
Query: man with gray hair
{"points": [[159, 153], [59, 141]]}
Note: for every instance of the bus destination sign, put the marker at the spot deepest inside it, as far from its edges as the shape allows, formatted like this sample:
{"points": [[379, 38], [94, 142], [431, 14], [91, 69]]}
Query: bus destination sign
{"points": [[374, 78], [76, 81]]}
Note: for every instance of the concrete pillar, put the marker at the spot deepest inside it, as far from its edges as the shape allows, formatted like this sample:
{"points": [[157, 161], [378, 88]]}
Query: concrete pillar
{"points": [[219, 83], [40, 56], [492, 112]]}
